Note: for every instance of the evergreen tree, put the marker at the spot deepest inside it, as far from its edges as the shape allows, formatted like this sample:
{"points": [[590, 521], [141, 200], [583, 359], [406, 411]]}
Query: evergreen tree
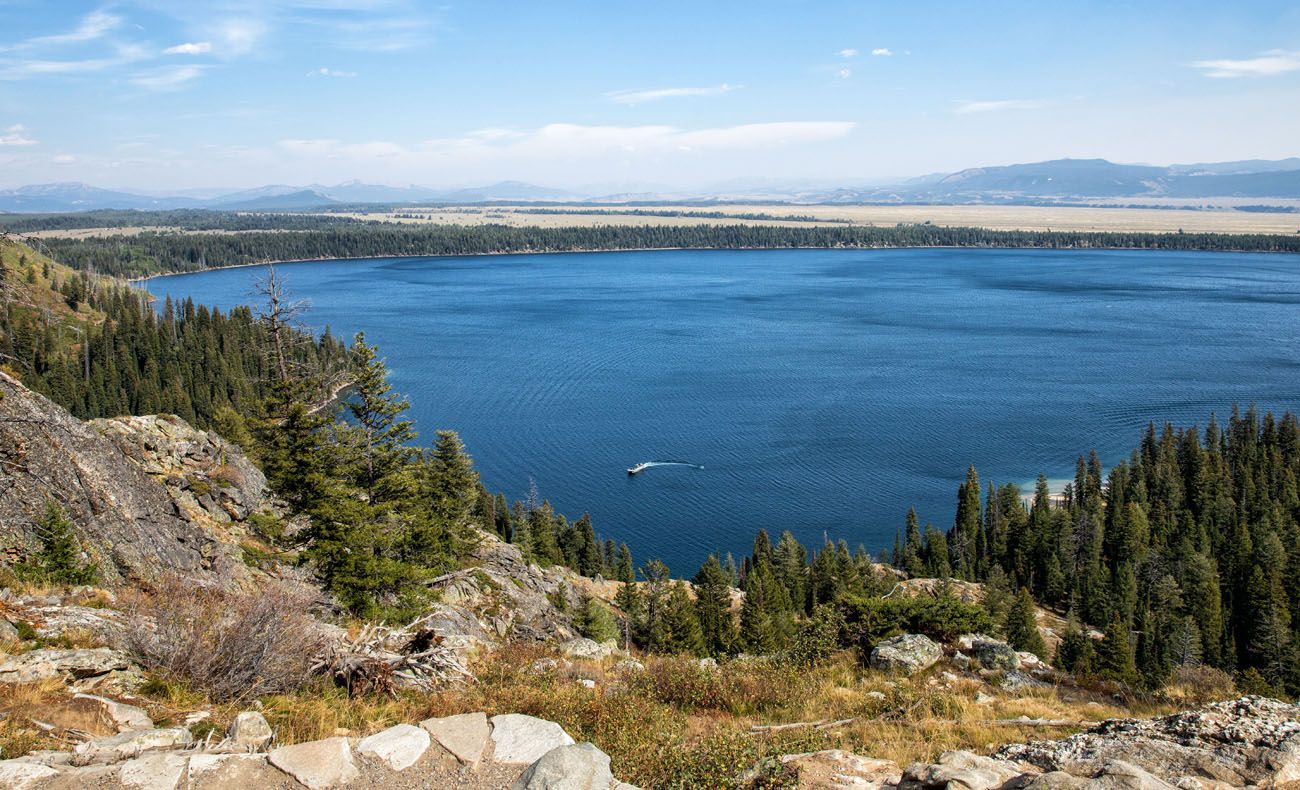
{"points": [[1022, 627], [713, 607], [60, 558], [1115, 655]]}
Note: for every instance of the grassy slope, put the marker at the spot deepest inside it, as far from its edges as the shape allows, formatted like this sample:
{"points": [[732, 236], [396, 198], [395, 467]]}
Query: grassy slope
{"points": [[40, 298]]}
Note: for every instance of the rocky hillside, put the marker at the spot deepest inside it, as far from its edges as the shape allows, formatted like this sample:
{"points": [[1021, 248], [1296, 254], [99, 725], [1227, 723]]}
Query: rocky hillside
{"points": [[126, 520]]}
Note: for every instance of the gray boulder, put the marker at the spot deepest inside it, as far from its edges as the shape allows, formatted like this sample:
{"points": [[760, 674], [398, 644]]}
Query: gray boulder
{"points": [[249, 732], [960, 770], [994, 654], [588, 649], [907, 653], [575, 767]]}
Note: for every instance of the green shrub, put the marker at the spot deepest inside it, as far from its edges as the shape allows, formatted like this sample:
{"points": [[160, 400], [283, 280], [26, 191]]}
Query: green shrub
{"points": [[869, 620]]}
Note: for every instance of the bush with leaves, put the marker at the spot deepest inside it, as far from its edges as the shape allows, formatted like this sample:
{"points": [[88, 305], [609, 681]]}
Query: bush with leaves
{"points": [[869, 620]]}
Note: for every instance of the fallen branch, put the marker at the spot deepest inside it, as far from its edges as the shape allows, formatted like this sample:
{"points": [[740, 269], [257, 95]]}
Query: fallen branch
{"points": [[366, 664], [828, 724]]}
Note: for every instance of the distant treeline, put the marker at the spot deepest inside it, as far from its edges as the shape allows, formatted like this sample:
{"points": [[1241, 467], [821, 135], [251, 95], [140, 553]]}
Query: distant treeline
{"points": [[155, 253], [183, 219], [645, 212]]}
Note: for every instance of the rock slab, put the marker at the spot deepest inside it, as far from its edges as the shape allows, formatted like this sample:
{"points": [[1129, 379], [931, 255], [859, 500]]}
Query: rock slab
{"points": [[158, 771], [524, 739], [399, 747], [465, 735], [317, 764]]}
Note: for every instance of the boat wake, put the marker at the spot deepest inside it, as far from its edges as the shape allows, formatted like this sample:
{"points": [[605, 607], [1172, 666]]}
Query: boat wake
{"points": [[644, 465]]}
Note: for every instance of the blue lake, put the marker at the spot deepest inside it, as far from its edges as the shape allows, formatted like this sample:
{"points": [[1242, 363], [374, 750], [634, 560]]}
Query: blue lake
{"points": [[823, 391]]}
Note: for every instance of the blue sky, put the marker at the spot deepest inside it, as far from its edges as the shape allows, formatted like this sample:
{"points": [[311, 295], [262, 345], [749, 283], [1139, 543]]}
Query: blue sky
{"points": [[168, 94]]}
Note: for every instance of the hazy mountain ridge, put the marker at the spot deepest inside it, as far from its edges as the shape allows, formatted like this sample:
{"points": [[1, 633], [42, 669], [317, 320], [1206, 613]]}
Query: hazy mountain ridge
{"points": [[1053, 180]]}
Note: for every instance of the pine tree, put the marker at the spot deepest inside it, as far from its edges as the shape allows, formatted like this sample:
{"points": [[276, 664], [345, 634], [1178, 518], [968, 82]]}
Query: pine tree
{"points": [[595, 621], [60, 558], [1115, 656], [713, 607], [450, 486], [1075, 652], [1022, 627]]}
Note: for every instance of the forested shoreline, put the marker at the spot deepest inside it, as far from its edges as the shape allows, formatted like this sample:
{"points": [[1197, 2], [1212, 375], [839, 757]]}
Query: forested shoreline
{"points": [[152, 253]]}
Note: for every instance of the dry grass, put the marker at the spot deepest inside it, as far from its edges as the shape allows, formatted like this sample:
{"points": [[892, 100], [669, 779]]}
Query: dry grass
{"points": [[229, 645], [20, 704], [678, 725]]}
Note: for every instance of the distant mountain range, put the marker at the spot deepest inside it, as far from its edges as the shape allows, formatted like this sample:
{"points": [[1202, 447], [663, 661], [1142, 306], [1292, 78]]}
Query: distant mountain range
{"points": [[72, 196], [1058, 180]]}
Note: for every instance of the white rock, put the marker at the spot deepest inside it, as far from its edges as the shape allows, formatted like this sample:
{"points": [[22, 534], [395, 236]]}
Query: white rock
{"points": [[249, 732], [18, 774], [524, 739], [576, 767], [587, 683], [587, 649], [465, 735], [906, 653], [126, 745], [158, 771], [205, 763], [124, 717], [400, 747], [231, 772], [317, 764]]}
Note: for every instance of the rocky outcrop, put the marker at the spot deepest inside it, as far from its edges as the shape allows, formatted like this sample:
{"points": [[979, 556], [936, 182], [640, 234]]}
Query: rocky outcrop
{"points": [[906, 653], [1248, 742], [502, 597], [208, 477], [126, 521]]}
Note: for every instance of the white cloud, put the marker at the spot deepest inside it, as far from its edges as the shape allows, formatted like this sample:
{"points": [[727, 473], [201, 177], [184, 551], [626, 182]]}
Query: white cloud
{"points": [[844, 73], [655, 94], [64, 159], [190, 48], [973, 107], [240, 36], [849, 53], [328, 72], [575, 142], [15, 135], [882, 52], [167, 79], [93, 25], [1268, 64]]}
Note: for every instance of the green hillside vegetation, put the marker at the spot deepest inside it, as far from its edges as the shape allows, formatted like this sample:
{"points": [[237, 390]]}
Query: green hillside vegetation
{"points": [[99, 348]]}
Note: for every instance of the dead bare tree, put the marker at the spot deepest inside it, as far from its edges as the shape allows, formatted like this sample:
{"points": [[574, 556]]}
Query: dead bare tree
{"points": [[279, 313]]}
